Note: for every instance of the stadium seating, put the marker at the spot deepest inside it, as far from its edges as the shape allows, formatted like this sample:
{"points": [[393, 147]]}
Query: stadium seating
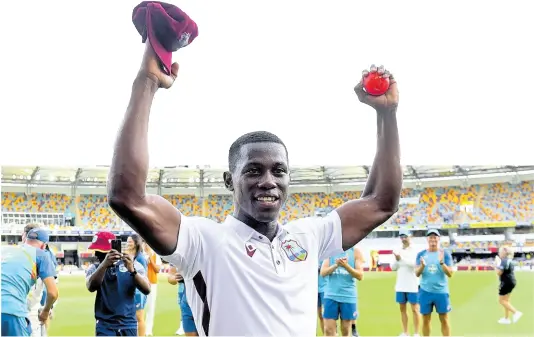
{"points": [[478, 203]]}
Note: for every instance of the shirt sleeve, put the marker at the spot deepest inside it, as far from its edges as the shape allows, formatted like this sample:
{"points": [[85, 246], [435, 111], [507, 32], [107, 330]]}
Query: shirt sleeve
{"points": [[503, 264], [90, 271], [140, 269], [186, 257], [328, 233], [45, 266]]}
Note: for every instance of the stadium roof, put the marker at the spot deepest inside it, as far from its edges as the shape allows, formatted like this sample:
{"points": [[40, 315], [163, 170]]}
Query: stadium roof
{"points": [[198, 177]]}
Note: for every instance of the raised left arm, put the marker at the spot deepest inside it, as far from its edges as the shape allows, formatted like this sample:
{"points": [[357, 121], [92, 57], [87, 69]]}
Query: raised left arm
{"points": [[380, 198]]}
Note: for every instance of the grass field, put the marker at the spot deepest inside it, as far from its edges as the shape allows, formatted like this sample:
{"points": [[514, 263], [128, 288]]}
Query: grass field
{"points": [[473, 295]]}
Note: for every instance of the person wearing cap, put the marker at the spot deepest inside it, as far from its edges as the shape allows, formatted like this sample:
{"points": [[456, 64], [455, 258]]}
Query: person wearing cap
{"points": [[435, 267], [115, 277], [37, 292], [407, 284], [21, 267]]}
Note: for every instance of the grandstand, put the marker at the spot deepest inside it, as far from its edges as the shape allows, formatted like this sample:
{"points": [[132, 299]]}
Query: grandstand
{"points": [[481, 207]]}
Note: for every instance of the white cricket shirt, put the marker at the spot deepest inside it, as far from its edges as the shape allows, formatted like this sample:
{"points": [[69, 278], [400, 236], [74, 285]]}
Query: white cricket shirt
{"points": [[238, 283], [406, 280]]}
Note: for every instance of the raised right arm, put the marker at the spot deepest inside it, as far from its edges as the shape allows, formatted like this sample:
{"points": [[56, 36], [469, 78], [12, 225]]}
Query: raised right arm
{"points": [[153, 217]]}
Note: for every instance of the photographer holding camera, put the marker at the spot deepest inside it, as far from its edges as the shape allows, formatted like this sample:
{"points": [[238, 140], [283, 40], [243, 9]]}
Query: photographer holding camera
{"points": [[115, 277]]}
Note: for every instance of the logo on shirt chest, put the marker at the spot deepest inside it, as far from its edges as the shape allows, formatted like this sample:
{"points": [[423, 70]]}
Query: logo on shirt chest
{"points": [[250, 249], [432, 268], [294, 251]]}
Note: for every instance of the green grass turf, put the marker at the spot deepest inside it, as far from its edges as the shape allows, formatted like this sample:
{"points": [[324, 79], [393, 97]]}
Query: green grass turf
{"points": [[473, 295]]}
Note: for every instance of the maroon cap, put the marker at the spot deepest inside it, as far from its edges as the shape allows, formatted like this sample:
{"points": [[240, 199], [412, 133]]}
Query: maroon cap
{"points": [[166, 27], [102, 241]]}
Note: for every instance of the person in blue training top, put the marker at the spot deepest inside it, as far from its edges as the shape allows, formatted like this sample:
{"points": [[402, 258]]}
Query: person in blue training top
{"points": [[43, 297], [340, 294], [54, 261], [21, 266], [320, 298], [188, 323], [115, 277], [135, 249], [435, 267]]}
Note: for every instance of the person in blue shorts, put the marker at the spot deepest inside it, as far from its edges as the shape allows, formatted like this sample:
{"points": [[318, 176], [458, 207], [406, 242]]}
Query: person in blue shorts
{"points": [[340, 294], [434, 266], [320, 299], [188, 323], [21, 266], [135, 249], [407, 284]]}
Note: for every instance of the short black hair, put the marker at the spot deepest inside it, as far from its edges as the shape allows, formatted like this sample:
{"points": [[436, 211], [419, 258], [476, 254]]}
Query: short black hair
{"points": [[249, 138]]}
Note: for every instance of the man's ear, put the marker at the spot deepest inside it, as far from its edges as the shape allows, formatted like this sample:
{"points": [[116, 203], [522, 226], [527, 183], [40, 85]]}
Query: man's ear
{"points": [[228, 183]]}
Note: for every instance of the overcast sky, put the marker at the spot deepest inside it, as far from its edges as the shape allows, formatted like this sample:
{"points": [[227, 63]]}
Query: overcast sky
{"points": [[464, 70]]}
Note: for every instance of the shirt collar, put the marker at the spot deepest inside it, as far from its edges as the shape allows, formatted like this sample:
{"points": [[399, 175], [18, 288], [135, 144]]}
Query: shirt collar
{"points": [[245, 231]]}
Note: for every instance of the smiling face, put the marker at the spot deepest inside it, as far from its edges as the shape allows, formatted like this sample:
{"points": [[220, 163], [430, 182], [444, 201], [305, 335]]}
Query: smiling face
{"points": [[130, 244], [259, 182], [433, 241], [405, 240]]}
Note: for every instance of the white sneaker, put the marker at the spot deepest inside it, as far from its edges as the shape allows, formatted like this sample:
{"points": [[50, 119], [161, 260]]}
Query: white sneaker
{"points": [[403, 335], [416, 335], [504, 321], [180, 331], [516, 316]]}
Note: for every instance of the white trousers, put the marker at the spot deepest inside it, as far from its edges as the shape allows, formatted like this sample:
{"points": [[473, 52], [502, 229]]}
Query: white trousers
{"points": [[150, 309]]}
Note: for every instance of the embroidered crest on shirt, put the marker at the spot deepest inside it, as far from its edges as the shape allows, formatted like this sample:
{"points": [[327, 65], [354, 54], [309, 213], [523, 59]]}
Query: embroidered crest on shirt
{"points": [[294, 252]]}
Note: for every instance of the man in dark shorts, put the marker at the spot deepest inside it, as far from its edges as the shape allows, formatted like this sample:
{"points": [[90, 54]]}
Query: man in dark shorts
{"points": [[505, 270]]}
